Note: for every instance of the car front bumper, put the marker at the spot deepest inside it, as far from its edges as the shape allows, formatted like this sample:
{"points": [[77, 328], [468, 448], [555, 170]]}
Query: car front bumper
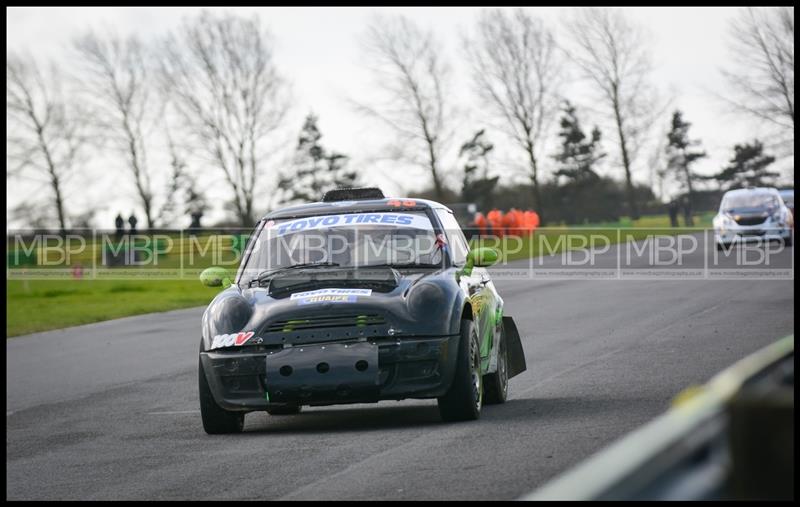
{"points": [[253, 378], [762, 232]]}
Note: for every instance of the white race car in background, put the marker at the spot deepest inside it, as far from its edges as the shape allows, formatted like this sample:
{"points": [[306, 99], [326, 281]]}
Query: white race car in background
{"points": [[752, 214], [788, 197]]}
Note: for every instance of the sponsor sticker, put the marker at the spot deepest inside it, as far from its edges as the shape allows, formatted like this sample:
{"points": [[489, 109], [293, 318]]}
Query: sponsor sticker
{"points": [[330, 296], [411, 220], [230, 340]]}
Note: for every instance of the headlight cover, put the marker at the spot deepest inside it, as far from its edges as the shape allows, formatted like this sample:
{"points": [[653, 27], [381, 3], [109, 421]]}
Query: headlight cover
{"points": [[230, 315], [424, 298], [724, 220]]}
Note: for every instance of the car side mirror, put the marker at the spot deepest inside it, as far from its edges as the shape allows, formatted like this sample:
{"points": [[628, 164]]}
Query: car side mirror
{"points": [[215, 277], [480, 257]]}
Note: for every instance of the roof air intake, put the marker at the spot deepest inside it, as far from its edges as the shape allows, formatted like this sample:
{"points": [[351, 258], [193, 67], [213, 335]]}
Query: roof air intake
{"points": [[352, 194]]}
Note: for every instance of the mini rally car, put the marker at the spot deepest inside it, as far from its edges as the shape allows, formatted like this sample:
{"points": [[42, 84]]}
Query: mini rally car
{"points": [[355, 299]]}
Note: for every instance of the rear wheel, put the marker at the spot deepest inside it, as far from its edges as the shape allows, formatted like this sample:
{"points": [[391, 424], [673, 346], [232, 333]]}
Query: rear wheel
{"points": [[216, 420], [495, 385], [284, 409], [464, 399]]}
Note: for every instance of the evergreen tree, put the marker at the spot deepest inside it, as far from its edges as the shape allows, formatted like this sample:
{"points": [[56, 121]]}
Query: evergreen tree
{"points": [[747, 168], [578, 197], [477, 186], [578, 154], [681, 155], [315, 169]]}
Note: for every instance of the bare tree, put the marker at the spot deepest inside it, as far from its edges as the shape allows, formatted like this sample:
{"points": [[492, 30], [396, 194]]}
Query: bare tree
{"points": [[762, 77], [178, 179], [517, 73], [45, 129], [222, 81], [412, 79], [614, 56], [658, 164], [117, 81]]}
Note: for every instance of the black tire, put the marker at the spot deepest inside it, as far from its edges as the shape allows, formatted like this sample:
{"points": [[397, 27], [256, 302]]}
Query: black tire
{"points": [[495, 385], [787, 241], [216, 420], [464, 399], [284, 409], [722, 246]]}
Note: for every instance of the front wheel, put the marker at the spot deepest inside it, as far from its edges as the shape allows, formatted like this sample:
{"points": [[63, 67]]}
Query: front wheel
{"points": [[464, 399], [216, 420]]}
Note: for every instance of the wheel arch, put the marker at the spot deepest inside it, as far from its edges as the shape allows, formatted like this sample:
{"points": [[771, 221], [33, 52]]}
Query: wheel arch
{"points": [[461, 310]]}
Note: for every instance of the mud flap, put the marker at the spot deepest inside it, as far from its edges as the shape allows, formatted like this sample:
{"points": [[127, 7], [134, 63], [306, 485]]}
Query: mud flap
{"points": [[516, 356]]}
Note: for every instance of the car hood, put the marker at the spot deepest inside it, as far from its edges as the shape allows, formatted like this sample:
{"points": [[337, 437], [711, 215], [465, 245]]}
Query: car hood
{"points": [[337, 304]]}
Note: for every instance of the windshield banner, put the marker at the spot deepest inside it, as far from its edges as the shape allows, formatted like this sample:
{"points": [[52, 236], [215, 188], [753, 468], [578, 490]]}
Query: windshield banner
{"points": [[409, 220]]}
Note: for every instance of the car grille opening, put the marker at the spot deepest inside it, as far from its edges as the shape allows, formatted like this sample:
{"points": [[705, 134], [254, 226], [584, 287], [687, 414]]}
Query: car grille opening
{"points": [[750, 220], [328, 321]]}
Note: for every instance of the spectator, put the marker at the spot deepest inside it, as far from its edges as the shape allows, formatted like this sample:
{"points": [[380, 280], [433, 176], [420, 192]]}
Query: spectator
{"points": [[672, 209], [687, 212], [495, 218], [481, 223], [525, 222], [195, 227], [531, 221], [119, 223], [132, 221], [512, 223]]}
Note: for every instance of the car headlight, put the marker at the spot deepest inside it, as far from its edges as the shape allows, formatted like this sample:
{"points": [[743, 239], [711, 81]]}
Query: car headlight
{"points": [[229, 315], [723, 221], [423, 298]]}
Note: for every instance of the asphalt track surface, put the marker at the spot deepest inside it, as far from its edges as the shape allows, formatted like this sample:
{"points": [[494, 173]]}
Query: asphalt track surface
{"points": [[110, 410]]}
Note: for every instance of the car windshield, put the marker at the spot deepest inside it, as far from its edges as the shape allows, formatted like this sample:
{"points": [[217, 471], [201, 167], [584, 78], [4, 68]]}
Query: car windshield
{"points": [[345, 240], [736, 201]]}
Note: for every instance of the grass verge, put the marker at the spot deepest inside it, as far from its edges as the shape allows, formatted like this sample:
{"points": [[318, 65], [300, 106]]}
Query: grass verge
{"points": [[41, 305]]}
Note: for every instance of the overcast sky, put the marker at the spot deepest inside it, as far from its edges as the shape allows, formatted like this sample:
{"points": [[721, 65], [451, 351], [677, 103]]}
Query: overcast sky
{"points": [[317, 50]]}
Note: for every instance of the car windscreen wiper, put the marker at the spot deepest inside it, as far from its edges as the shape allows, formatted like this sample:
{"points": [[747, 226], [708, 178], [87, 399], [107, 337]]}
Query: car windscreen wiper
{"points": [[401, 265], [265, 274]]}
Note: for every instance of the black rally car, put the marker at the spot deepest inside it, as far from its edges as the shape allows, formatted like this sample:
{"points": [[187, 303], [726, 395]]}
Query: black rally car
{"points": [[358, 298]]}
